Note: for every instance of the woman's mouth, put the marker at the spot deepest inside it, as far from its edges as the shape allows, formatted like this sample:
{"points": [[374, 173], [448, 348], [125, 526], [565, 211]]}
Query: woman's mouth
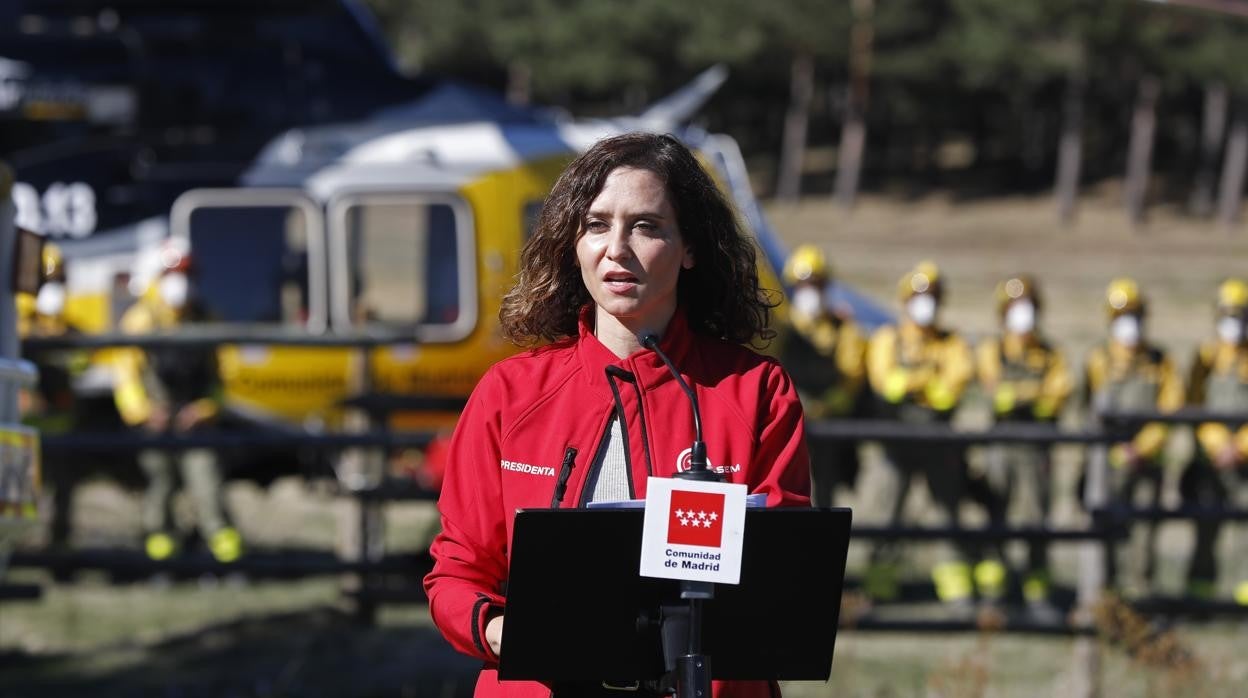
{"points": [[619, 283]]}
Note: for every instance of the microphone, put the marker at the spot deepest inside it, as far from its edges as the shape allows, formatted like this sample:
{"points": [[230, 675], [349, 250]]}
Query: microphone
{"points": [[698, 469]]}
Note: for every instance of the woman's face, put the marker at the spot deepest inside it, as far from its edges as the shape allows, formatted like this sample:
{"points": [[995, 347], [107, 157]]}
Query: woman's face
{"points": [[630, 251]]}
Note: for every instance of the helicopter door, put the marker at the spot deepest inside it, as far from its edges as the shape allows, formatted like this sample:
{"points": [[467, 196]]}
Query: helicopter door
{"points": [[403, 263], [259, 261]]}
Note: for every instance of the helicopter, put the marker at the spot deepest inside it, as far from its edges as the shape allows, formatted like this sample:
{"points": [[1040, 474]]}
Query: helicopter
{"points": [[343, 206]]}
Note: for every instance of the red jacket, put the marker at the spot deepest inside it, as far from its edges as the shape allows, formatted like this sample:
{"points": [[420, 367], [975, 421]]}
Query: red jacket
{"points": [[513, 434]]}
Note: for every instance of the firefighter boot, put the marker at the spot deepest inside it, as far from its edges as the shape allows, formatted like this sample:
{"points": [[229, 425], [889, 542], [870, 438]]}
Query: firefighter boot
{"points": [[954, 586], [1241, 593], [160, 546], [1040, 609], [990, 579], [226, 545]]}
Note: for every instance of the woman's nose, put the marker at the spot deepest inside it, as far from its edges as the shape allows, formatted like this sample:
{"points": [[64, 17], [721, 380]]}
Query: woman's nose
{"points": [[617, 243]]}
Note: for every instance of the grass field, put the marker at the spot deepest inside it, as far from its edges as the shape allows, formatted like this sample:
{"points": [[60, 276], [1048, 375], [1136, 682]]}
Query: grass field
{"points": [[228, 637]]}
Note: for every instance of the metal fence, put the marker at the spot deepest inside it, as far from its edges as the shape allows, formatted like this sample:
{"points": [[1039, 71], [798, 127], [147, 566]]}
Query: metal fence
{"points": [[1107, 521]]}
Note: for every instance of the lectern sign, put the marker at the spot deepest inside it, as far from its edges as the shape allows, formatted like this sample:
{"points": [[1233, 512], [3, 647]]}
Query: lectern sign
{"points": [[693, 530]]}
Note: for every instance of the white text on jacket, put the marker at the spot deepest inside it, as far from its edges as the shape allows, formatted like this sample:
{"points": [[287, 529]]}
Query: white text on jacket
{"points": [[526, 468]]}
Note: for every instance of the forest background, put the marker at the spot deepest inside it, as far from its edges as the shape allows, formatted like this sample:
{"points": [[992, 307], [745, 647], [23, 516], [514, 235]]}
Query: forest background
{"points": [[980, 97]]}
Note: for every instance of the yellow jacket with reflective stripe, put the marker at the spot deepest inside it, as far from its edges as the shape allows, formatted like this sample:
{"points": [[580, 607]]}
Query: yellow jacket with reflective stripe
{"points": [[1023, 374], [136, 388], [927, 367], [826, 357], [1113, 364], [1227, 362]]}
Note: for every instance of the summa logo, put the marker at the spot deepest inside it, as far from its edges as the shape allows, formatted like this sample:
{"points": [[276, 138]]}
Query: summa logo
{"points": [[527, 469], [684, 462]]}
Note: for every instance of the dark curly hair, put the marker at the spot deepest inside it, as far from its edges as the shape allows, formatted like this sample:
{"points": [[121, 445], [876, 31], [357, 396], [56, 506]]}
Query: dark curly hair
{"points": [[720, 295]]}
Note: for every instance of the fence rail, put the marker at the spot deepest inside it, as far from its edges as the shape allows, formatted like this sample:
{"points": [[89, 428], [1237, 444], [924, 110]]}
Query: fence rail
{"points": [[1107, 523], [225, 440], [216, 334], [260, 564]]}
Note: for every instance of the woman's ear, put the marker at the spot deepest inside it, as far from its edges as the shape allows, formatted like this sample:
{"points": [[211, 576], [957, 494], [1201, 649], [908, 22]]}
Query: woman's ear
{"points": [[687, 262]]}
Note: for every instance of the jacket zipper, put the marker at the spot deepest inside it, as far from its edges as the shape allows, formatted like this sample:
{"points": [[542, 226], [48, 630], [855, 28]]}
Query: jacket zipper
{"points": [[565, 471], [612, 372]]}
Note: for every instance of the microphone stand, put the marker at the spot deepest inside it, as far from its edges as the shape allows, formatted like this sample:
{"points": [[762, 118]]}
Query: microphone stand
{"points": [[693, 668]]}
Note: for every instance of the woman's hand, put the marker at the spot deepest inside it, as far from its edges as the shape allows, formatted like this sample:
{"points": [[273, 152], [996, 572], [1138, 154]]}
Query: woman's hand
{"points": [[494, 635]]}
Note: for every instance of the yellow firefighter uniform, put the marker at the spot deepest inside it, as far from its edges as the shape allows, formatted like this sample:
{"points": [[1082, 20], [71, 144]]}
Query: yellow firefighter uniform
{"points": [[174, 390], [1026, 379], [825, 354], [918, 372], [1126, 374], [52, 407], [1219, 383]]}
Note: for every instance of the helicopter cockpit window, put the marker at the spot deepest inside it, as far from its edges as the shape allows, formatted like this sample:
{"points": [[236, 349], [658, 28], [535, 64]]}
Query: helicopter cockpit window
{"points": [[256, 257], [251, 264], [409, 264]]}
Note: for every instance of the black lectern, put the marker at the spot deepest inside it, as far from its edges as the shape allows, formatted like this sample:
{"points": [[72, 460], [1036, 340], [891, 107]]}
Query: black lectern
{"points": [[577, 610]]}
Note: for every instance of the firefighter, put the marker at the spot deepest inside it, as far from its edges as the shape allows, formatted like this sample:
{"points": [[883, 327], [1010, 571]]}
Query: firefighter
{"points": [[825, 353], [43, 315], [174, 391], [1026, 380], [1129, 374], [918, 371], [52, 407], [1219, 383]]}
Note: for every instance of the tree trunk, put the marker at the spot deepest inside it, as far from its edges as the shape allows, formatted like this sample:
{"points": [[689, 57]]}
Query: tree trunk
{"points": [[849, 158], [854, 127], [1140, 149], [1212, 131], [793, 149], [1233, 165], [1070, 148]]}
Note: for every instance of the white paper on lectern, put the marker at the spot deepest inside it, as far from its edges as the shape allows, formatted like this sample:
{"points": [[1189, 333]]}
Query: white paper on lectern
{"points": [[703, 563]]}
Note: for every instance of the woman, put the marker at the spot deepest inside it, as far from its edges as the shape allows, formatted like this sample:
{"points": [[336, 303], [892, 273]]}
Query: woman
{"points": [[633, 239]]}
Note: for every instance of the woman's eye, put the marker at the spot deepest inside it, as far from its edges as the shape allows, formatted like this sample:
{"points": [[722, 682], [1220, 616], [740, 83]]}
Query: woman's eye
{"points": [[647, 227], [595, 226]]}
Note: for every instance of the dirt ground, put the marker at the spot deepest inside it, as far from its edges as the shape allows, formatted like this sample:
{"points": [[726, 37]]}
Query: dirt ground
{"points": [[238, 638]]}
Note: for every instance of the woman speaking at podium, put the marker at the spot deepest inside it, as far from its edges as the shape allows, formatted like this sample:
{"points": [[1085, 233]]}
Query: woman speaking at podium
{"points": [[634, 241]]}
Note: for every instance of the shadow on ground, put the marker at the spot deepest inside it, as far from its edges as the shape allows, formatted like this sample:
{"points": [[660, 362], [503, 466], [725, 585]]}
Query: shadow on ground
{"points": [[319, 652]]}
